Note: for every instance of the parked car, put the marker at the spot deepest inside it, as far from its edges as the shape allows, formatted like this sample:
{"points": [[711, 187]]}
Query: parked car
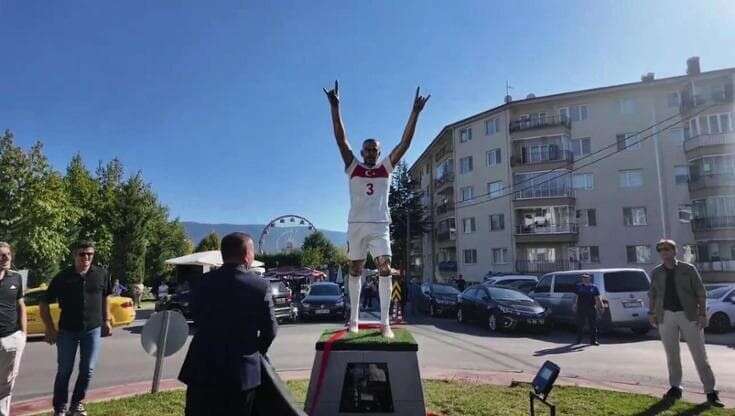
{"points": [[721, 308], [324, 300], [623, 291], [508, 279], [282, 302], [500, 309], [438, 299], [123, 312], [523, 286]]}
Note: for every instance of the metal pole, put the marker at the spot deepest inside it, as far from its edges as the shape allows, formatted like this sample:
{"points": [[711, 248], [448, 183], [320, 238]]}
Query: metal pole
{"points": [[160, 351], [408, 241]]}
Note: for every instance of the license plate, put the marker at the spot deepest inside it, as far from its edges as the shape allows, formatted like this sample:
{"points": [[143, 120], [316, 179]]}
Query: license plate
{"points": [[322, 311], [633, 304], [280, 301], [536, 321]]}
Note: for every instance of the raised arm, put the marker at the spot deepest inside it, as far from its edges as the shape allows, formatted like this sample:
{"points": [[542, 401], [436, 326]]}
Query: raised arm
{"points": [[339, 129], [400, 150]]}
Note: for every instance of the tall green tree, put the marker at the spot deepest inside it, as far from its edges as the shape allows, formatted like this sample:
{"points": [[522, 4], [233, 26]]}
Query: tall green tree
{"points": [[404, 203], [35, 213], [319, 242], [312, 257], [209, 242], [166, 239]]}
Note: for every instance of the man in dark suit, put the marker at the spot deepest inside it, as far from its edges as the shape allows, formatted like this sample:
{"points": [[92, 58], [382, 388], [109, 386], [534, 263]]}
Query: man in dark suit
{"points": [[233, 313]]}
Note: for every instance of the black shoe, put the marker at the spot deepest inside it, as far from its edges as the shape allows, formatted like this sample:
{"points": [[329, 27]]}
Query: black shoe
{"points": [[674, 393], [714, 399], [596, 343]]}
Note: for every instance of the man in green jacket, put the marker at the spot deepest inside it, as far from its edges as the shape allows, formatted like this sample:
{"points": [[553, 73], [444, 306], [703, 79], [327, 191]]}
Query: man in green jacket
{"points": [[679, 305]]}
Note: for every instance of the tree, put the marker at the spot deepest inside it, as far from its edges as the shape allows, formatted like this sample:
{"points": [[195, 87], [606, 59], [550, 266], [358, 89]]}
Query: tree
{"points": [[318, 241], [35, 212], [403, 203], [312, 257], [167, 239], [210, 242]]}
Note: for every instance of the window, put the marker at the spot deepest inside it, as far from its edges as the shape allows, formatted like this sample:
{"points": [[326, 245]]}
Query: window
{"points": [[565, 283], [716, 123], [673, 99], [691, 128], [466, 193], [634, 217], [685, 213], [676, 135], [629, 141], [465, 164], [470, 256], [428, 168], [492, 126], [638, 254], [544, 285], [500, 255], [626, 281], [681, 174], [585, 254], [497, 222], [578, 112], [468, 225], [627, 105], [587, 217], [495, 189], [564, 113], [631, 178], [493, 157], [581, 147], [465, 134], [583, 181], [689, 253]]}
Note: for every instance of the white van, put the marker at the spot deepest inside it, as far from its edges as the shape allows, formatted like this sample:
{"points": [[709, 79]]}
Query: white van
{"points": [[624, 291]]}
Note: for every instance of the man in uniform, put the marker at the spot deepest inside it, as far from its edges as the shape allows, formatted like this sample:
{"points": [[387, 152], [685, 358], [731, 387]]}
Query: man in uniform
{"points": [[369, 219]]}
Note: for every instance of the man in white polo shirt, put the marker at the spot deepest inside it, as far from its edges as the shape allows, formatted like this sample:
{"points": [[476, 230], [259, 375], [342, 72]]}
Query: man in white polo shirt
{"points": [[369, 220]]}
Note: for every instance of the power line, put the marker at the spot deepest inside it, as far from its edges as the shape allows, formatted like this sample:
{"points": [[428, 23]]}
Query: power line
{"points": [[570, 171]]}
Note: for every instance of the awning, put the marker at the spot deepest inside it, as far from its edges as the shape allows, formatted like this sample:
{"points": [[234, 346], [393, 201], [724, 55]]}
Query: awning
{"points": [[204, 258]]}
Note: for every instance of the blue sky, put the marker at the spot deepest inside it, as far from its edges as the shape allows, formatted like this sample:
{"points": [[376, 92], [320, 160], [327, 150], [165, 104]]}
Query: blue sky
{"points": [[219, 103]]}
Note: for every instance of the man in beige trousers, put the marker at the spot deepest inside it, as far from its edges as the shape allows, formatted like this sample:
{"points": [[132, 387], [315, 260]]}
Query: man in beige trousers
{"points": [[679, 305], [13, 324]]}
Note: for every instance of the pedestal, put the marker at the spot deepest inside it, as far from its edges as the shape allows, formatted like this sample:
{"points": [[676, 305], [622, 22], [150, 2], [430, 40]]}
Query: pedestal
{"points": [[365, 374]]}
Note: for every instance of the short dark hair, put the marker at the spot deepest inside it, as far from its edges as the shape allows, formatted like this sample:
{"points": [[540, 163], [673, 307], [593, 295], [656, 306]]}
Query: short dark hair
{"points": [[371, 140], [234, 246], [82, 244]]}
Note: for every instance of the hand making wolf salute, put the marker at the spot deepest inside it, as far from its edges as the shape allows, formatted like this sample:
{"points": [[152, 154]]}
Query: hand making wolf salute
{"points": [[369, 220]]}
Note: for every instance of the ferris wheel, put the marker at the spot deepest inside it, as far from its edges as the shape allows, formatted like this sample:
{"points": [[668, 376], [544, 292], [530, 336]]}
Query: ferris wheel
{"points": [[286, 239]]}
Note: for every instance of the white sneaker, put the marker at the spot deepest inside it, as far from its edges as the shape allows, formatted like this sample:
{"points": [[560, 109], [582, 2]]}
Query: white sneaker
{"points": [[353, 327], [386, 332]]}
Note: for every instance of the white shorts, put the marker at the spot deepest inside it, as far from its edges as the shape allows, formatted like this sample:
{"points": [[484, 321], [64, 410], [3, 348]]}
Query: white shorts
{"points": [[368, 236]]}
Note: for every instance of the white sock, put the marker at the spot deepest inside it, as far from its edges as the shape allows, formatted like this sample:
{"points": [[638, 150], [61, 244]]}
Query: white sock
{"points": [[355, 285], [384, 287]]}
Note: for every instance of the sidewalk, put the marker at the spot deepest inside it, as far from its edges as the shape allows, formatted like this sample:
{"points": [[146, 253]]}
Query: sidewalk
{"points": [[501, 378]]}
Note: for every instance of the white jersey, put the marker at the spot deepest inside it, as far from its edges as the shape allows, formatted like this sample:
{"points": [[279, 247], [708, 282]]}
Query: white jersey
{"points": [[369, 190]]}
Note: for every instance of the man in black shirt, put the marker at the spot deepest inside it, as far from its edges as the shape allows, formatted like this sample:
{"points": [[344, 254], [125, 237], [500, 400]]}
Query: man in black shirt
{"points": [[82, 293], [12, 326]]}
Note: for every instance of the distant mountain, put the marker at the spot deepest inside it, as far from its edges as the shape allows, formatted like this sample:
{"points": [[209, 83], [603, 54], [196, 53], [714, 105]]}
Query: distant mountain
{"points": [[276, 240]]}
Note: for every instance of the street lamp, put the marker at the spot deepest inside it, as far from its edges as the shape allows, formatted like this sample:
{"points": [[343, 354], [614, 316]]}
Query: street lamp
{"points": [[542, 385]]}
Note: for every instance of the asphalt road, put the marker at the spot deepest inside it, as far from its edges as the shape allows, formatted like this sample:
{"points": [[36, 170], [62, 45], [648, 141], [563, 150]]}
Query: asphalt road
{"points": [[443, 345]]}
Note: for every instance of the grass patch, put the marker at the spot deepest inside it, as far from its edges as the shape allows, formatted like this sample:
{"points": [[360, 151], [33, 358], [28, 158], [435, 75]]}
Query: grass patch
{"points": [[456, 398], [370, 336]]}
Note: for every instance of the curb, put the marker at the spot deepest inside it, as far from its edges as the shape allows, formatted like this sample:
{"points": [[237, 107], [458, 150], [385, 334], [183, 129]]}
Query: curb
{"points": [[507, 378]]}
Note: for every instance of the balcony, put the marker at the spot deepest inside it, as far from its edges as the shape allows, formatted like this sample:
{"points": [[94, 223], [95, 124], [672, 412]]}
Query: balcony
{"points": [[445, 208], [443, 153], [709, 140], [545, 159], [716, 266], [529, 197], [539, 126], [564, 233], [690, 102], [444, 180], [717, 180], [543, 267], [713, 223], [443, 236]]}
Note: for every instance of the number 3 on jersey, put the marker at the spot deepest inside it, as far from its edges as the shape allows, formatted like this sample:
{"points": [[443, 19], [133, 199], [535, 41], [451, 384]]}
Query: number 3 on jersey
{"points": [[370, 190]]}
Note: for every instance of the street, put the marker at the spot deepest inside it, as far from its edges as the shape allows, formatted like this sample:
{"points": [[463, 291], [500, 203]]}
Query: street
{"points": [[443, 345]]}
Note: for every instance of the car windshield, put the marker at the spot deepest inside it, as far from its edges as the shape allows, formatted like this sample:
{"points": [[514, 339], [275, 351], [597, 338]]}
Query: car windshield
{"points": [[718, 292], [324, 290], [507, 294], [444, 290]]}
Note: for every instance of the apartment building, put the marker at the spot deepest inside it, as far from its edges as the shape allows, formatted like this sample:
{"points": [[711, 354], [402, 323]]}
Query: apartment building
{"points": [[585, 179]]}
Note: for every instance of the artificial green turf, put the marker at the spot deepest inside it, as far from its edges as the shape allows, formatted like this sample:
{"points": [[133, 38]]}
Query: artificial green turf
{"points": [[456, 398], [371, 336]]}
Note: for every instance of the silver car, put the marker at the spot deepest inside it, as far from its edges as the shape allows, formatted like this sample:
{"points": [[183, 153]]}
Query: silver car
{"points": [[623, 291]]}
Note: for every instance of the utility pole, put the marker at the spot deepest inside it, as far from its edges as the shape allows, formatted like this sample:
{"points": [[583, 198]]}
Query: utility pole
{"points": [[408, 241]]}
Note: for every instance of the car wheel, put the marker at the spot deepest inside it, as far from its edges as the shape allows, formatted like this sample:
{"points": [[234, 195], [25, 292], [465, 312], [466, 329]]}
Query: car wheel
{"points": [[460, 316], [493, 322], [640, 330], [719, 322]]}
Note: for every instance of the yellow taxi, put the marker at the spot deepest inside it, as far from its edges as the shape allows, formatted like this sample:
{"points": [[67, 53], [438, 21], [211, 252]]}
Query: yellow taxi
{"points": [[123, 312]]}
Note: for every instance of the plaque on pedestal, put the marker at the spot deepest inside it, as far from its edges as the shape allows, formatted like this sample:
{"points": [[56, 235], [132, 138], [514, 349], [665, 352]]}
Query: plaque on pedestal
{"points": [[365, 374]]}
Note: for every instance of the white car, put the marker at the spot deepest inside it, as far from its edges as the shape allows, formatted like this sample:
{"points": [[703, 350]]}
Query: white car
{"points": [[721, 307]]}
